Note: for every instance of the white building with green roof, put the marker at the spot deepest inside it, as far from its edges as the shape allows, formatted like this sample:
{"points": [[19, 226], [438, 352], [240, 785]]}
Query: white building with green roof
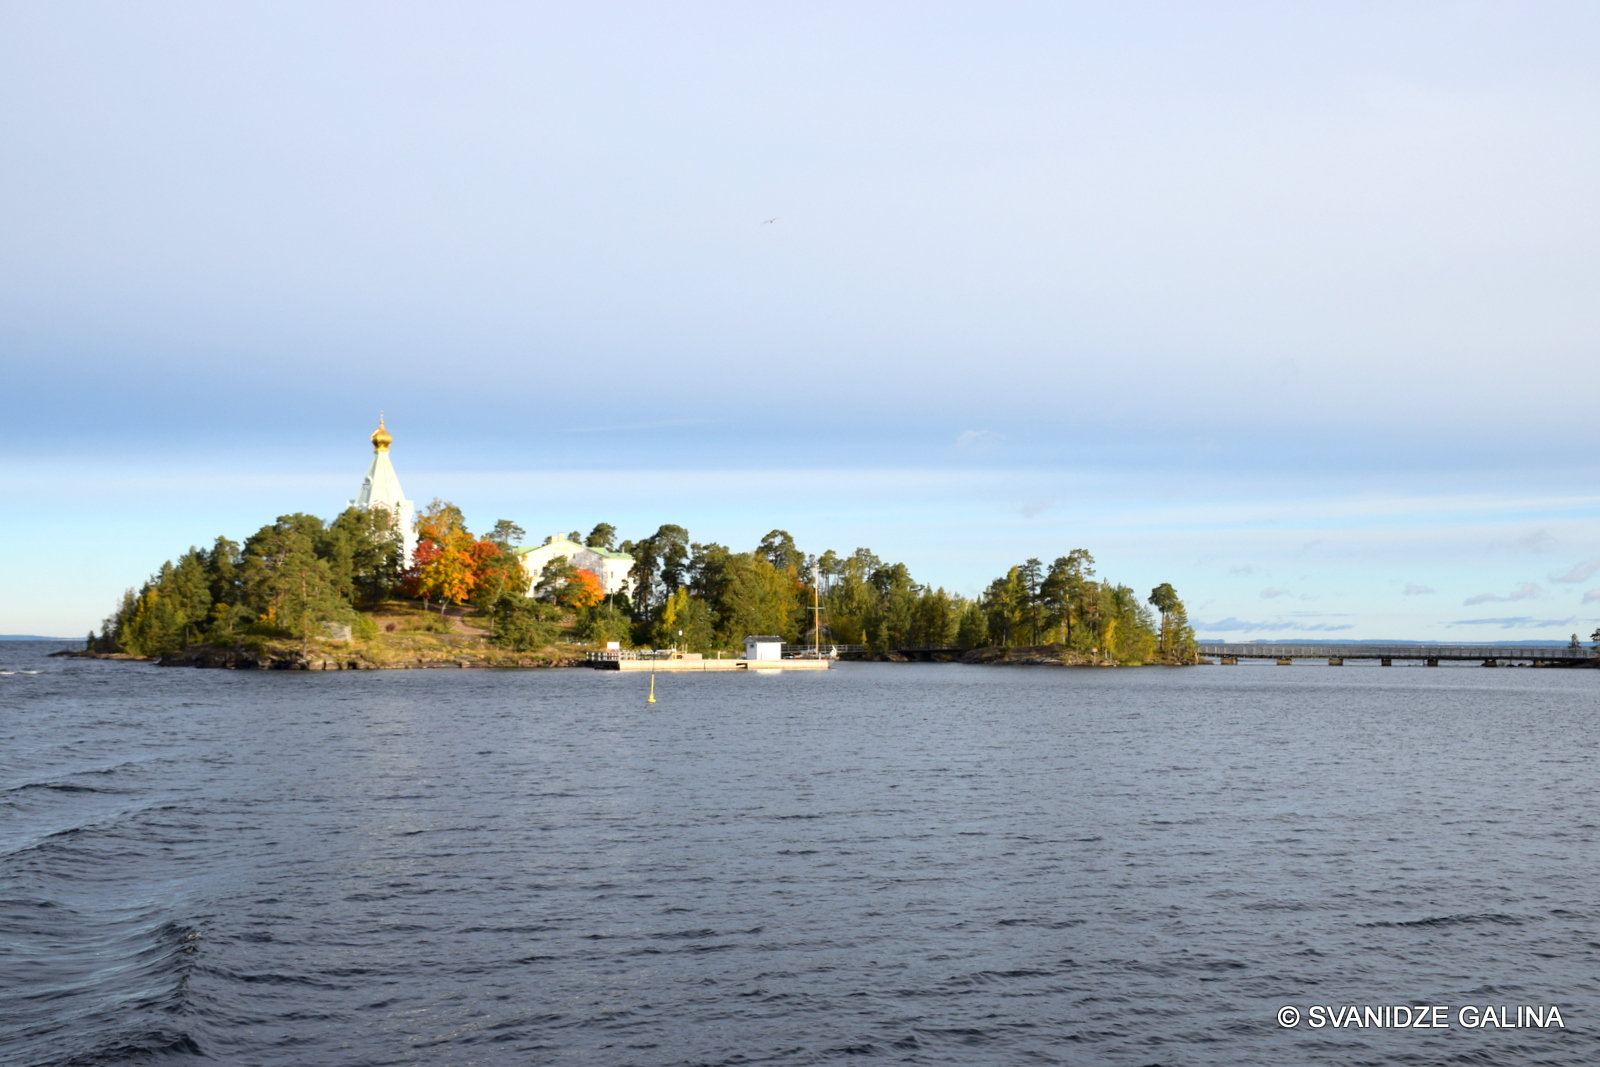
{"points": [[612, 568]]}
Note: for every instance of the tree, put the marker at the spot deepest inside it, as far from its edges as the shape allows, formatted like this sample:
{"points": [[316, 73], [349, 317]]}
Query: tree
{"points": [[1062, 592], [583, 589], [506, 534], [553, 579], [364, 550], [448, 569], [604, 535], [974, 629], [525, 625], [293, 591], [778, 549], [606, 621], [760, 599], [685, 623], [1177, 639], [500, 576], [660, 564], [1006, 598]]}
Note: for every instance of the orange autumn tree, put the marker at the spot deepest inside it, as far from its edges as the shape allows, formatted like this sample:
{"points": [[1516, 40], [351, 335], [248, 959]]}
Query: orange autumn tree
{"points": [[583, 589], [448, 558]]}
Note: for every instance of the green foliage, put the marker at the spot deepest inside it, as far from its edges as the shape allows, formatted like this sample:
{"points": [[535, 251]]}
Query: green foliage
{"points": [[606, 621], [973, 631], [506, 535], [428, 623], [363, 550], [297, 575], [288, 579], [685, 624], [1177, 641], [290, 586], [660, 564], [525, 625], [553, 580]]}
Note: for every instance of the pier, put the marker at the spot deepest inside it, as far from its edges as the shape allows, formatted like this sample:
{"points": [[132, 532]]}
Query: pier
{"points": [[631, 660], [1386, 655]]}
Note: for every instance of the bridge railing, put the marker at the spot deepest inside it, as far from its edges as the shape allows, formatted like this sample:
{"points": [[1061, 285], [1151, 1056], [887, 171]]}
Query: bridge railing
{"points": [[1540, 653]]}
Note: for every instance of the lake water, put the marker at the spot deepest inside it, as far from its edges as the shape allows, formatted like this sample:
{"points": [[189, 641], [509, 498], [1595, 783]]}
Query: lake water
{"points": [[897, 863]]}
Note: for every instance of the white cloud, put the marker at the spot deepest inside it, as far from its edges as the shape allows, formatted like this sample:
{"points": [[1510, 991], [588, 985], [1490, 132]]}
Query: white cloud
{"points": [[1591, 596], [978, 442], [1413, 589], [1580, 572], [1519, 621], [1540, 540], [1246, 569], [1525, 591], [1233, 625], [1269, 594]]}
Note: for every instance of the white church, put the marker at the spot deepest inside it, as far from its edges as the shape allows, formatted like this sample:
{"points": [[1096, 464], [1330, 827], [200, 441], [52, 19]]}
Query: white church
{"points": [[381, 489]]}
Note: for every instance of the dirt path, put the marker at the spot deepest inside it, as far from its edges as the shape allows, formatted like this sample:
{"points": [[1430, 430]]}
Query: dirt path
{"points": [[458, 622]]}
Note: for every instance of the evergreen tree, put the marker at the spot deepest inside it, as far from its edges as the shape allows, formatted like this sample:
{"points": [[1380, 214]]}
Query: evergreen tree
{"points": [[974, 629]]}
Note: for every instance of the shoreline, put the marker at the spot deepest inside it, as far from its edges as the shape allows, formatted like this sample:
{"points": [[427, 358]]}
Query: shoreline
{"points": [[368, 657]]}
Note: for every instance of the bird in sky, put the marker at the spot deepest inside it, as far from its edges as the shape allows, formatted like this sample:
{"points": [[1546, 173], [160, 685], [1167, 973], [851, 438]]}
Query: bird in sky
{"points": [[769, 222]]}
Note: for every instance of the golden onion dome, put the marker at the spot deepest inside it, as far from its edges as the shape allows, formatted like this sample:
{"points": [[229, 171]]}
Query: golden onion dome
{"points": [[381, 439]]}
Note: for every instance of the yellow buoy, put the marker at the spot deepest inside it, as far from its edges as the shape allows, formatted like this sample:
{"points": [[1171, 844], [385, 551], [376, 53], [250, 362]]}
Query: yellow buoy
{"points": [[652, 699]]}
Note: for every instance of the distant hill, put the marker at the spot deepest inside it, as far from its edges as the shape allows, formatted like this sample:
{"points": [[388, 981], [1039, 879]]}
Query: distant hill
{"points": [[35, 637]]}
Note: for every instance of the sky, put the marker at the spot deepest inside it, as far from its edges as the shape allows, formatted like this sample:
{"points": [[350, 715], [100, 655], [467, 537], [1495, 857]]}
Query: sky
{"points": [[1292, 305]]}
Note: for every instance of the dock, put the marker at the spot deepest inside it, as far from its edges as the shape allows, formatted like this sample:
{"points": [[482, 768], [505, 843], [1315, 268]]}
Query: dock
{"points": [[626, 661]]}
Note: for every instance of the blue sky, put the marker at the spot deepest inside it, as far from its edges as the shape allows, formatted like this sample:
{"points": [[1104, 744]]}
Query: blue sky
{"points": [[1291, 305]]}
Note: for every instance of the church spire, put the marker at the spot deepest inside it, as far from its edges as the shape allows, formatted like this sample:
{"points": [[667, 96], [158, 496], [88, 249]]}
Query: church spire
{"points": [[381, 438]]}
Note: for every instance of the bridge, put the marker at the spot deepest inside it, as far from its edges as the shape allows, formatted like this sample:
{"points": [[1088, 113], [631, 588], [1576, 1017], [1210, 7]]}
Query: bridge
{"points": [[1431, 655]]}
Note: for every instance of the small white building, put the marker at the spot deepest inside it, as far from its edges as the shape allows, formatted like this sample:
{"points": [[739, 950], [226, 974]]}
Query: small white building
{"points": [[614, 569], [763, 647], [381, 489]]}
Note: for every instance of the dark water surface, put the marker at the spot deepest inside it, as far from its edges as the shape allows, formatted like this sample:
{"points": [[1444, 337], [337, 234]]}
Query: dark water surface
{"points": [[915, 864]]}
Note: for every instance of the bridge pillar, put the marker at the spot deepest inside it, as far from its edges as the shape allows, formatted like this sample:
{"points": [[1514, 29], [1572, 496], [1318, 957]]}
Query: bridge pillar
{"points": [[1336, 661], [1433, 661], [1386, 662], [1286, 662]]}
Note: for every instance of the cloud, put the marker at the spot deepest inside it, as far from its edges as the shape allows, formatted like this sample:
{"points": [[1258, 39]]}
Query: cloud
{"points": [[1034, 508], [1233, 625], [1525, 591], [1246, 569], [1580, 572], [977, 442], [1591, 596], [1520, 621], [1413, 589], [1268, 594], [1540, 540]]}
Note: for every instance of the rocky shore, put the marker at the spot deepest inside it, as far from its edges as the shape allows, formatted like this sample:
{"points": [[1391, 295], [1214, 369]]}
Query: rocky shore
{"points": [[333, 658]]}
